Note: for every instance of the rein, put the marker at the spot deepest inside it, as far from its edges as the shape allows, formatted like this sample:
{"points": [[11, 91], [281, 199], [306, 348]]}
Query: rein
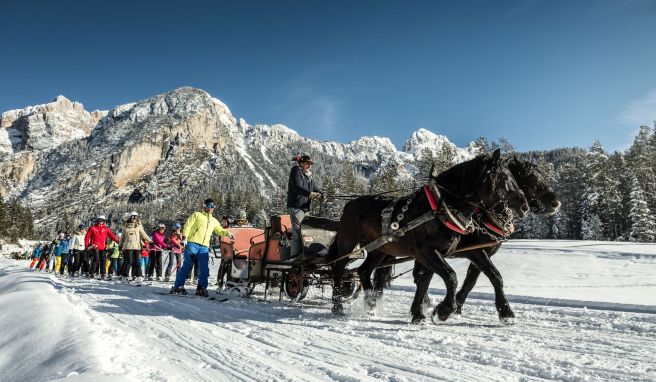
{"points": [[355, 196]]}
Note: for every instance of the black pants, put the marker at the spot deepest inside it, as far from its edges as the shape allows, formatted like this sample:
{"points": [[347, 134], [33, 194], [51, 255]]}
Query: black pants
{"points": [[155, 263], [131, 259], [64, 262], [74, 261], [85, 260], [98, 260]]}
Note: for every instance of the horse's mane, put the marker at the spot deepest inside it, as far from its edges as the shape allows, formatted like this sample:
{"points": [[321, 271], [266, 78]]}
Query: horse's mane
{"points": [[464, 177]]}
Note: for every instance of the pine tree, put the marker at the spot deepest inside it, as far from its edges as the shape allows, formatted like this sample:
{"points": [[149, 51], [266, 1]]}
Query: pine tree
{"points": [[643, 224], [481, 145], [569, 189], [385, 179], [591, 228]]}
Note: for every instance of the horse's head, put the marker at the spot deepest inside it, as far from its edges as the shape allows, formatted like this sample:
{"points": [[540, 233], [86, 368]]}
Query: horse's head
{"points": [[487, 183], [541, 197]]}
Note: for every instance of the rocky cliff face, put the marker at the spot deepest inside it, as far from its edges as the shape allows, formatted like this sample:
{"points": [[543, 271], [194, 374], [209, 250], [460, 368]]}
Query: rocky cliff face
{"points": [[69, 165]]}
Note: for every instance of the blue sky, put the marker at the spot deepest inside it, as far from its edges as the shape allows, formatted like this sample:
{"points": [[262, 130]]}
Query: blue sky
{"points": [[543, 74]]}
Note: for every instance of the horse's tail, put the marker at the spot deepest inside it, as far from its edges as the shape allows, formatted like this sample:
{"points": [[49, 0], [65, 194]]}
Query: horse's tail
{"points": [[382, 278]]}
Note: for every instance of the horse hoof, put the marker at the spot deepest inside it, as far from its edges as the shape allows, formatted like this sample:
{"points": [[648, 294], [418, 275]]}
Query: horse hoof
{"points": [[506, 315], [442, 312], [418, 319], [338, 311], [436, 320], [507, 320]]}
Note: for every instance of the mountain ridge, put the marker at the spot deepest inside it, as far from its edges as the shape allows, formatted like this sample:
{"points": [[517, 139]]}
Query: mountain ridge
{"points": [[66, 163]]}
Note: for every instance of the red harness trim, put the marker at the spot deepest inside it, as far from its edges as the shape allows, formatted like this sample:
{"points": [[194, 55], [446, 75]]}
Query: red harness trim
{"points": [[453, 227], [431, 198], [495, 229], [435, 207]]}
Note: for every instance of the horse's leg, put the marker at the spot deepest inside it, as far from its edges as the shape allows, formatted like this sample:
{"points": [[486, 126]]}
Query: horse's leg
{"points": [[435, 263], [483, 262], [422, 279], [338, 275], [382, 277], [470, 281], [417, 271], [364, 271]]}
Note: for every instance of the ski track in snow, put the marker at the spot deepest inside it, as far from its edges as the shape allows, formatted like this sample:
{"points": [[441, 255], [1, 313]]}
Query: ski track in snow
{"points": [[121, 332]]}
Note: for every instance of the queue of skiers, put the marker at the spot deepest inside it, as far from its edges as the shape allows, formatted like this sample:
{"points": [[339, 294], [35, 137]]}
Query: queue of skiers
{"points": [[132, 253]]}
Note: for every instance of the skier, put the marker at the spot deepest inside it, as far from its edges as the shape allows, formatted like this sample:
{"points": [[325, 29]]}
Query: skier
{"points": [[45, 256], [301, 190], [36, 255], [159, 245], [65, 253], [94, 242], [175, 240], [78, 256], [131, 244], [57, 258], [198, 231], [114, 254]]}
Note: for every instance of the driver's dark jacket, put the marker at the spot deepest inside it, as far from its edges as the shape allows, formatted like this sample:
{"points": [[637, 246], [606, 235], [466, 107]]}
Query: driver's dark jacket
{"points": [[298, 189]]}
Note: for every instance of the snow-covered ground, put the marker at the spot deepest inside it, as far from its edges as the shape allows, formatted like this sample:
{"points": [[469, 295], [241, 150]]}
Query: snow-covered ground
{"points": [[586, 311]]}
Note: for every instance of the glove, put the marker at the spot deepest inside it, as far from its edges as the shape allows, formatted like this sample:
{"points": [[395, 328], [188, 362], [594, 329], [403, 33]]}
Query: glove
{"points": [[314, 195]]}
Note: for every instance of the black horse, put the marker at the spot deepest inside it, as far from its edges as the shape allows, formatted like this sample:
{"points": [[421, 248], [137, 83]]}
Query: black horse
{"points": [[483, 183], [541, 199]]}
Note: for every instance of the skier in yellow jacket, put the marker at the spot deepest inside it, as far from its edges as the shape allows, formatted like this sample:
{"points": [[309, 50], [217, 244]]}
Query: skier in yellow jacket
{"points": [[198, 231]]}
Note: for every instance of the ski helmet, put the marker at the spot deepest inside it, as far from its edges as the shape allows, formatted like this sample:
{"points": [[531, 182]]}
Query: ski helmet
{"points": [[101, 217], [177, 225], [134, 213], [209, 203]]}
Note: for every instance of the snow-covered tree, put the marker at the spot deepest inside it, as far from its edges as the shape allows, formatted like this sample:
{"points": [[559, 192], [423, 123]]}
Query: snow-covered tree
{"points": [[643, 224], [591, 228]]}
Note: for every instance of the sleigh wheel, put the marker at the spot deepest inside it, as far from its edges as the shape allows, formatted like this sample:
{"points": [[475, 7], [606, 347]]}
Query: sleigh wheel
{"points": [[295, 286]]}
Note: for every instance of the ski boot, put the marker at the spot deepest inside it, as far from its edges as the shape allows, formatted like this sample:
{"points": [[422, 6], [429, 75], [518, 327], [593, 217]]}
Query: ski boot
{"points": [[200, 291], [179, 290]]}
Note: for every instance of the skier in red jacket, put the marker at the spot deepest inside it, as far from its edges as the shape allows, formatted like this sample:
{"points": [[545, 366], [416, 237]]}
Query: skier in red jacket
{"points": [[94, 241]]}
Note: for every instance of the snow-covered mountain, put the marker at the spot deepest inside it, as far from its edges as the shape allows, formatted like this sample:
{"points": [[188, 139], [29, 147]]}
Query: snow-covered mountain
{"points": [[68, 164]]}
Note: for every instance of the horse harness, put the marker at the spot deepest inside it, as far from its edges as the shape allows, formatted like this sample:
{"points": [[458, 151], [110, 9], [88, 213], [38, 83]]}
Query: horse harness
{"points": [[392, 230]]}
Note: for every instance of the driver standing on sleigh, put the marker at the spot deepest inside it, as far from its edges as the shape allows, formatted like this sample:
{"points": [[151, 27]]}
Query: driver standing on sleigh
{"points": [[301, 190]]}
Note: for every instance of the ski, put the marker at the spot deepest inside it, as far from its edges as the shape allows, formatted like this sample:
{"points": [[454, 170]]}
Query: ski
{"points": [[211, 298]]}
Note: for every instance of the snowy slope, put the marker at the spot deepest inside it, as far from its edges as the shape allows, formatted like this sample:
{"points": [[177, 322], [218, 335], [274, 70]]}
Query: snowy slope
{"points": [[80, 330]]}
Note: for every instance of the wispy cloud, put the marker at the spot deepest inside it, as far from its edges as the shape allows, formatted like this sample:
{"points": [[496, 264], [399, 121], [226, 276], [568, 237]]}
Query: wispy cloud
{"points": [[312, 111], [641, 111]]}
